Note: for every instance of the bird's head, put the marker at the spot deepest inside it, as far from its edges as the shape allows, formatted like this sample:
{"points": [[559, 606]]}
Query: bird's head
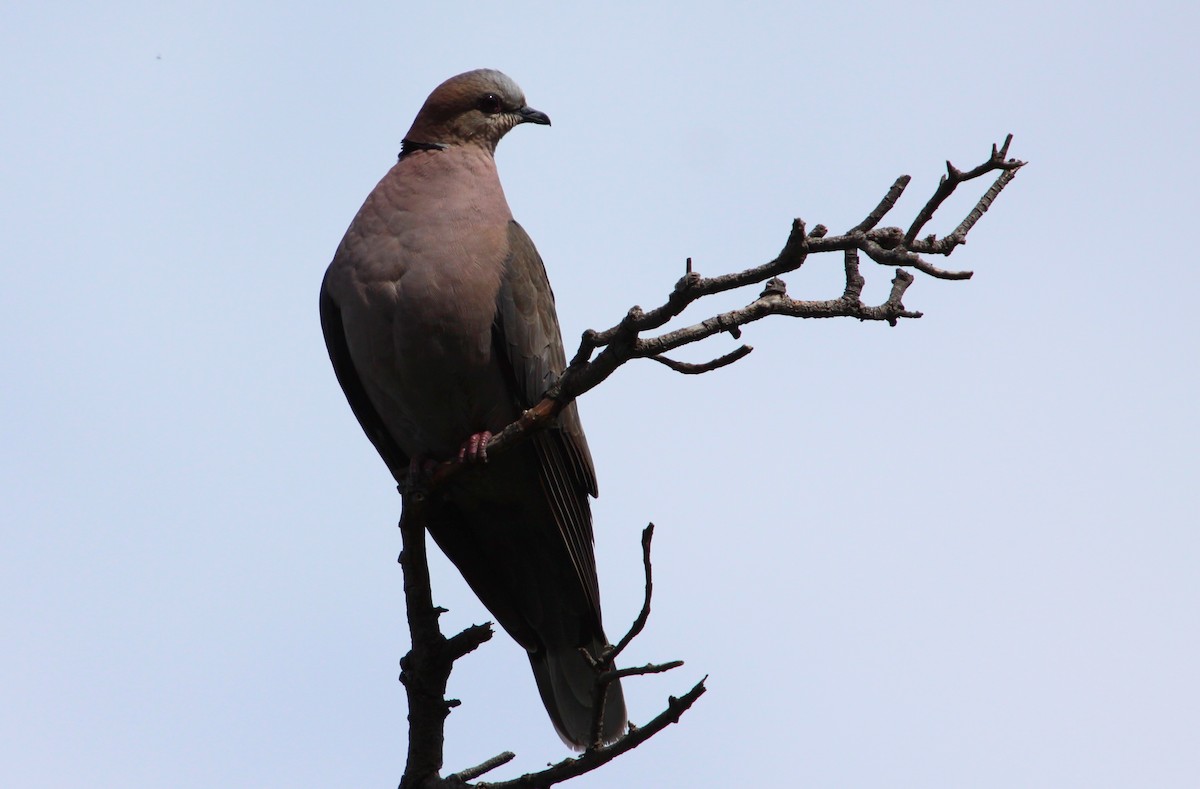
{"points": [[475, 108]]}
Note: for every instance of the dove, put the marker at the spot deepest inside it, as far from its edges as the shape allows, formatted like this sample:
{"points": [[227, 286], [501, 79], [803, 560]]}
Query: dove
{"points": [[441, 326]]}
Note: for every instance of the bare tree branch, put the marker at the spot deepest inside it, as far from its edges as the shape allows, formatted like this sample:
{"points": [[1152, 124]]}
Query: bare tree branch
{"points": [[427, 666], [885, 205], [951, 180], [471, 773], [600, 353], [604, 663], [639, 623], [425, 670], [638, 671], [592, 759], [688, 368]]}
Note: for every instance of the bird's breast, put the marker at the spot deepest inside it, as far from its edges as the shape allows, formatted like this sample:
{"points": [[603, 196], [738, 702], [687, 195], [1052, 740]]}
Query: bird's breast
{"points": [[426, 274]]}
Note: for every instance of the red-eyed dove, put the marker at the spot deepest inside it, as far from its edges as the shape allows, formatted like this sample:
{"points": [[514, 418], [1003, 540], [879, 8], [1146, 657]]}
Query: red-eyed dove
{"points": [[441, 327]]}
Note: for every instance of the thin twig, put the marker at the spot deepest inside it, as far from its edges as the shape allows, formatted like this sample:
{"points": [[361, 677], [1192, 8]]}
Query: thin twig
{"points": [[687, 368], [471, 773], [592, 759], [637, 671], [984, 204], [886, 204], [900, 257], [640, 622], [604, 663]]}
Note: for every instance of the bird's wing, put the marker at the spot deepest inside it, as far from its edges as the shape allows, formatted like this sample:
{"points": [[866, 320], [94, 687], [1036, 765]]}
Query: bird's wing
{"points": [[529, 342], [352, 385]]}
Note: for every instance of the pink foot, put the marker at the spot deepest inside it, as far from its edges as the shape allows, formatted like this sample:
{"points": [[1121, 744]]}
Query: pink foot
{"points": [[474, 449]]}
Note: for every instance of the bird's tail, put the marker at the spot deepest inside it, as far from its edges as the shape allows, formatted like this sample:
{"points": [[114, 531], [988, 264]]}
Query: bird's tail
{"points": [[566, 682]]}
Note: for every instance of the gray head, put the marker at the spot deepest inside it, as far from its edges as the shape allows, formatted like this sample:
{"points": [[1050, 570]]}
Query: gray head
{"points": [[475, 108]]}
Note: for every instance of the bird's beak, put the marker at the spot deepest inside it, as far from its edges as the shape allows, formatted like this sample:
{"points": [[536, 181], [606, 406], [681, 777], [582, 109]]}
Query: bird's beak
{"points": [[530, 115]]}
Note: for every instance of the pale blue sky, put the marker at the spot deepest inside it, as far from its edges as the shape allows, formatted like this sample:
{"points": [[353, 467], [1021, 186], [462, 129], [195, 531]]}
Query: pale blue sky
{"points": [[961, 552]]}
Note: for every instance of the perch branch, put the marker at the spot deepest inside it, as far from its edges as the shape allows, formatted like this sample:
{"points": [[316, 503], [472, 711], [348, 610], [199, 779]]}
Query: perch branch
{"points": [[600, 353], [425, 670]]}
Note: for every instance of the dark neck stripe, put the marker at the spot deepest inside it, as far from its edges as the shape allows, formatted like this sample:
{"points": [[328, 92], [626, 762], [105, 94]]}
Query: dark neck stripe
{"points": [[409, 146]]}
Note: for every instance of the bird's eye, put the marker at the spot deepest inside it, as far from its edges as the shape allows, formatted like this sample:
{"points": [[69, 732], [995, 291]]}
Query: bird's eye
{"points": [[490, 103]]}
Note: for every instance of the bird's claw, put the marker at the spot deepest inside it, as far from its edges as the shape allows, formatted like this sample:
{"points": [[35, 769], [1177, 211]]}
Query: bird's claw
{"points": [[415, 482], [474, 449]]}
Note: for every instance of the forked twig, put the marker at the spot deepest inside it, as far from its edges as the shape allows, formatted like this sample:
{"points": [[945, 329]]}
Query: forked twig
{"points": [[598, 754], [604, 663]]}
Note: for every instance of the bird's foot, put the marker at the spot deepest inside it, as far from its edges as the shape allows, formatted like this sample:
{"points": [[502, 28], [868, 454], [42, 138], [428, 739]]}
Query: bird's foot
{"points": [[474, 449], [416, 481]]}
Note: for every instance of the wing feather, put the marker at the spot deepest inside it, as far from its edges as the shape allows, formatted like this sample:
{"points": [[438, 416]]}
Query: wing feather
{"points": [[352, 386], [529, 340]]}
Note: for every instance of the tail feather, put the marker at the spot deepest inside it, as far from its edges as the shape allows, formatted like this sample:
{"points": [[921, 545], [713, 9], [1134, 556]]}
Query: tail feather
{"points": [[566, 681]]}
